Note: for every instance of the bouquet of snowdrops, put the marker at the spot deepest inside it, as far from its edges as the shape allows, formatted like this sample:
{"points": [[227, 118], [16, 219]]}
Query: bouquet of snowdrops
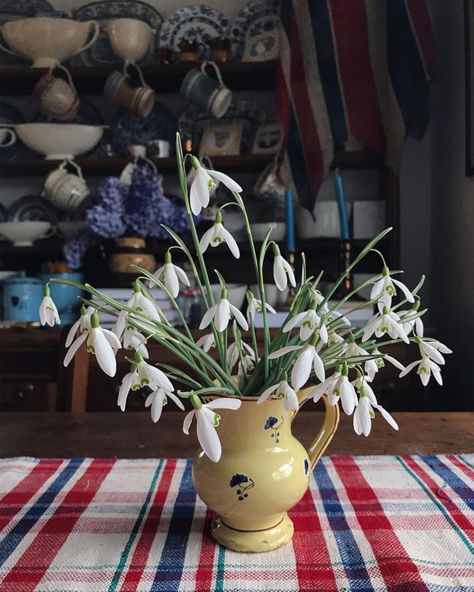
{"points": [[315, 344]]}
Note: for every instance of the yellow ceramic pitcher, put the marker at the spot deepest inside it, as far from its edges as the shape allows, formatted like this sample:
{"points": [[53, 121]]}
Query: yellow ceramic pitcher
{"points": [[263, 472]]}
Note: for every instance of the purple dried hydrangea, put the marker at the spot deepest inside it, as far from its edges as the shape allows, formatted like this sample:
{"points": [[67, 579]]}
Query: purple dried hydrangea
{"points": [[75, 248], [107, 217]]}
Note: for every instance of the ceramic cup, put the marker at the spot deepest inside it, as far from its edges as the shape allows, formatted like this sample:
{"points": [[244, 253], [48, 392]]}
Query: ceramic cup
{"points": [[56, 96], [131, 39], [158, 149], [136, 151], [66, 190], [207, 92], [140, 100], [7, 137]]}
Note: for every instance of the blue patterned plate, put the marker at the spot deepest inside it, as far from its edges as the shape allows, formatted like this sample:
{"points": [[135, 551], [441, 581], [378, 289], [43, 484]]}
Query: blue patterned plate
{"points": [[129, 129], [32, 207], [10, 114], [256, 17], [101, 54], [198, 23]]}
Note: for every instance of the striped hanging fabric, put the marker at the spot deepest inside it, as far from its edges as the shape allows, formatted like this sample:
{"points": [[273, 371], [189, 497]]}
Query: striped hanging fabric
{"points": [[357, 70]]}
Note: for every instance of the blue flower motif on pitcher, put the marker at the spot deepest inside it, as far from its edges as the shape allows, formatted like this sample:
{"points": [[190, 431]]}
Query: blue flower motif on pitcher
{"points": [[274, 424], [243, 483]]}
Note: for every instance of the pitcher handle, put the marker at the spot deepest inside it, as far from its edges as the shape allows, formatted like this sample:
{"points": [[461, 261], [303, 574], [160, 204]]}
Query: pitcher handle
{"points": [[94, 37], [3, 48], [328, 429]]}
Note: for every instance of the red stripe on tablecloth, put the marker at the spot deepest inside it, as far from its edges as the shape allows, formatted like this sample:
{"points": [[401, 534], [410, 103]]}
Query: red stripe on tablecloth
{"points": [[423, 33], [392, 558], [13, 501], [140, 555], [310, 548], [302, 105], [37, 558], [356, 75], [466, 469], [456, 514], [205, 570]]}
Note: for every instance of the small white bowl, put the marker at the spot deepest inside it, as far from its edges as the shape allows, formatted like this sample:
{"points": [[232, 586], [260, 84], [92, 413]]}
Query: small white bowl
{"points": [[260, 230], [59, 141], [236, 293], [130, 38], [23, 234]]}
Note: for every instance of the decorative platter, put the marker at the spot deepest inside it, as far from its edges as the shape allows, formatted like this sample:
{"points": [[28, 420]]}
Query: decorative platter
{"points": [[10, 115], [198, 23], [256, 18], [101, 53], [31, 207]]}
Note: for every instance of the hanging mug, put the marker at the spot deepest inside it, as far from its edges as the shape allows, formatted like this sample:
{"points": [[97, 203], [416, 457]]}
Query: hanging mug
{"points": [[207, 92], [57, 97], [66, 190], [7, 137], [140, 100]]}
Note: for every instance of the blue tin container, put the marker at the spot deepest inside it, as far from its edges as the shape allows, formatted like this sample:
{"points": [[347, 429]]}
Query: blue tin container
{"points": [[22, 297]]}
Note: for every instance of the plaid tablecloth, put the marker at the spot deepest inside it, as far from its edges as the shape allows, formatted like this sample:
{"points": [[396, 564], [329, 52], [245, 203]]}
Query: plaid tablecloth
{"points": [[367, 523]]}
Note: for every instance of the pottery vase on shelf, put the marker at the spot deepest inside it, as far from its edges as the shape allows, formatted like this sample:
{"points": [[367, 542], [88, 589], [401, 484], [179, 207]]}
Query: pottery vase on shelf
{"points": [[129, 251], [263, 472]]}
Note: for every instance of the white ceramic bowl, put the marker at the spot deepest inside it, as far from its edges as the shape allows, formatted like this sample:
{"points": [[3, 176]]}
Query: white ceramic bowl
{"points": [[131, 39], [273, 295], [260, 230], [23, 234], [48, 40], [58, 141], [236, 293]]}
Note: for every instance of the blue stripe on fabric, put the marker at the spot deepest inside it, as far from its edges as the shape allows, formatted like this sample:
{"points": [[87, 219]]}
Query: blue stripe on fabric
{"points": [[351, 556], [126, 552], [326, 57], [221, 565], [454, 482], [297, 161], [170, 569], [406, 70], [465, 461], [23, 526], [438, 504]]}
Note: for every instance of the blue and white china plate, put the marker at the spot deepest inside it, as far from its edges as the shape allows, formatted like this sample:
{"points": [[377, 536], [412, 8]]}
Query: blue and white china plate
{"points": [[198, 23], [10, 114], [193, 121], [101, 53], [32, 207], [129, 129], [255, 18], [12, 10]]}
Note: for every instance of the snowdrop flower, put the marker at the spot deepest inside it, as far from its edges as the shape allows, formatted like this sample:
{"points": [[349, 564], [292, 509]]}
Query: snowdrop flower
{"points": [[426, 368], [433, 350], [171, 275], [337, 387], [307, 360], [204, 180], [131, 337], [355, 351], [221, 313], [207, 421], [48, 312], [282, 270], [142, 374], [385, 289], [309, 323], [254, 306], [326, 388], [82, 325], [141, 303], [384, 322], [336, 319], [283, 391], [371, 367], [233, 354], [100, 342], [216, 235], [364, 413], [206, 342], [157, 399]]}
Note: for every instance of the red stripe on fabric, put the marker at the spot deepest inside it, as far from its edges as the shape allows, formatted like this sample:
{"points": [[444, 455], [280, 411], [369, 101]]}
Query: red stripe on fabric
{"points": [[310, 548], [303, 112], [423, 31], [37, 558], [456, 514], [140, 555], [205, 569], [282, 100], [466, 469], [14, 501], [350, 31], [393, 560]]}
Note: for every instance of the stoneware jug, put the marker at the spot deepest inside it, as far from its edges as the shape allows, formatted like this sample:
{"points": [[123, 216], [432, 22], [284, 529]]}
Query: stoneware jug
{"points": [[263, 472]]}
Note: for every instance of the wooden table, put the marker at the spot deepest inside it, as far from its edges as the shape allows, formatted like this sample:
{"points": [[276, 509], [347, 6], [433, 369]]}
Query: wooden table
{"points": [[134, 435]]}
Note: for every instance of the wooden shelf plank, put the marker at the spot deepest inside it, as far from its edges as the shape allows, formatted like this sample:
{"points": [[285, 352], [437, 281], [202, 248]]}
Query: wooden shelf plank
{"points": [[20, 80]]}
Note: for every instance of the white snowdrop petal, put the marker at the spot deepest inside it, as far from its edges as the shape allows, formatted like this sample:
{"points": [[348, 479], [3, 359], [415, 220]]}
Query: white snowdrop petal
{"points": [[266, 393], [124, 390], [231, 243], [239, 317], [222, 316], [187, 422], [71, 352], [207, 435], [290, 272], [171, 280], [175, 399], [405, 290], [225, 180], [183, 278], [157, 406], [158, 377], [72, 333], [112, 338], [208, 316], [206, 239], [356, 421], [302, 368], [224, 403], [279, 274], [294, 322], [283, 351], [103, 352], [199, 193], [319, 367]]}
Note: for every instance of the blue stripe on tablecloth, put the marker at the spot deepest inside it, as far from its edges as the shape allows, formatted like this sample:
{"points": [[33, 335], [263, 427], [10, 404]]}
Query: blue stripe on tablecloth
{"points": [[169, 570], [438, 504], [465, 461], [455, 483], [126, 552], [23, 526], [220, 570], [352, 559]]}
